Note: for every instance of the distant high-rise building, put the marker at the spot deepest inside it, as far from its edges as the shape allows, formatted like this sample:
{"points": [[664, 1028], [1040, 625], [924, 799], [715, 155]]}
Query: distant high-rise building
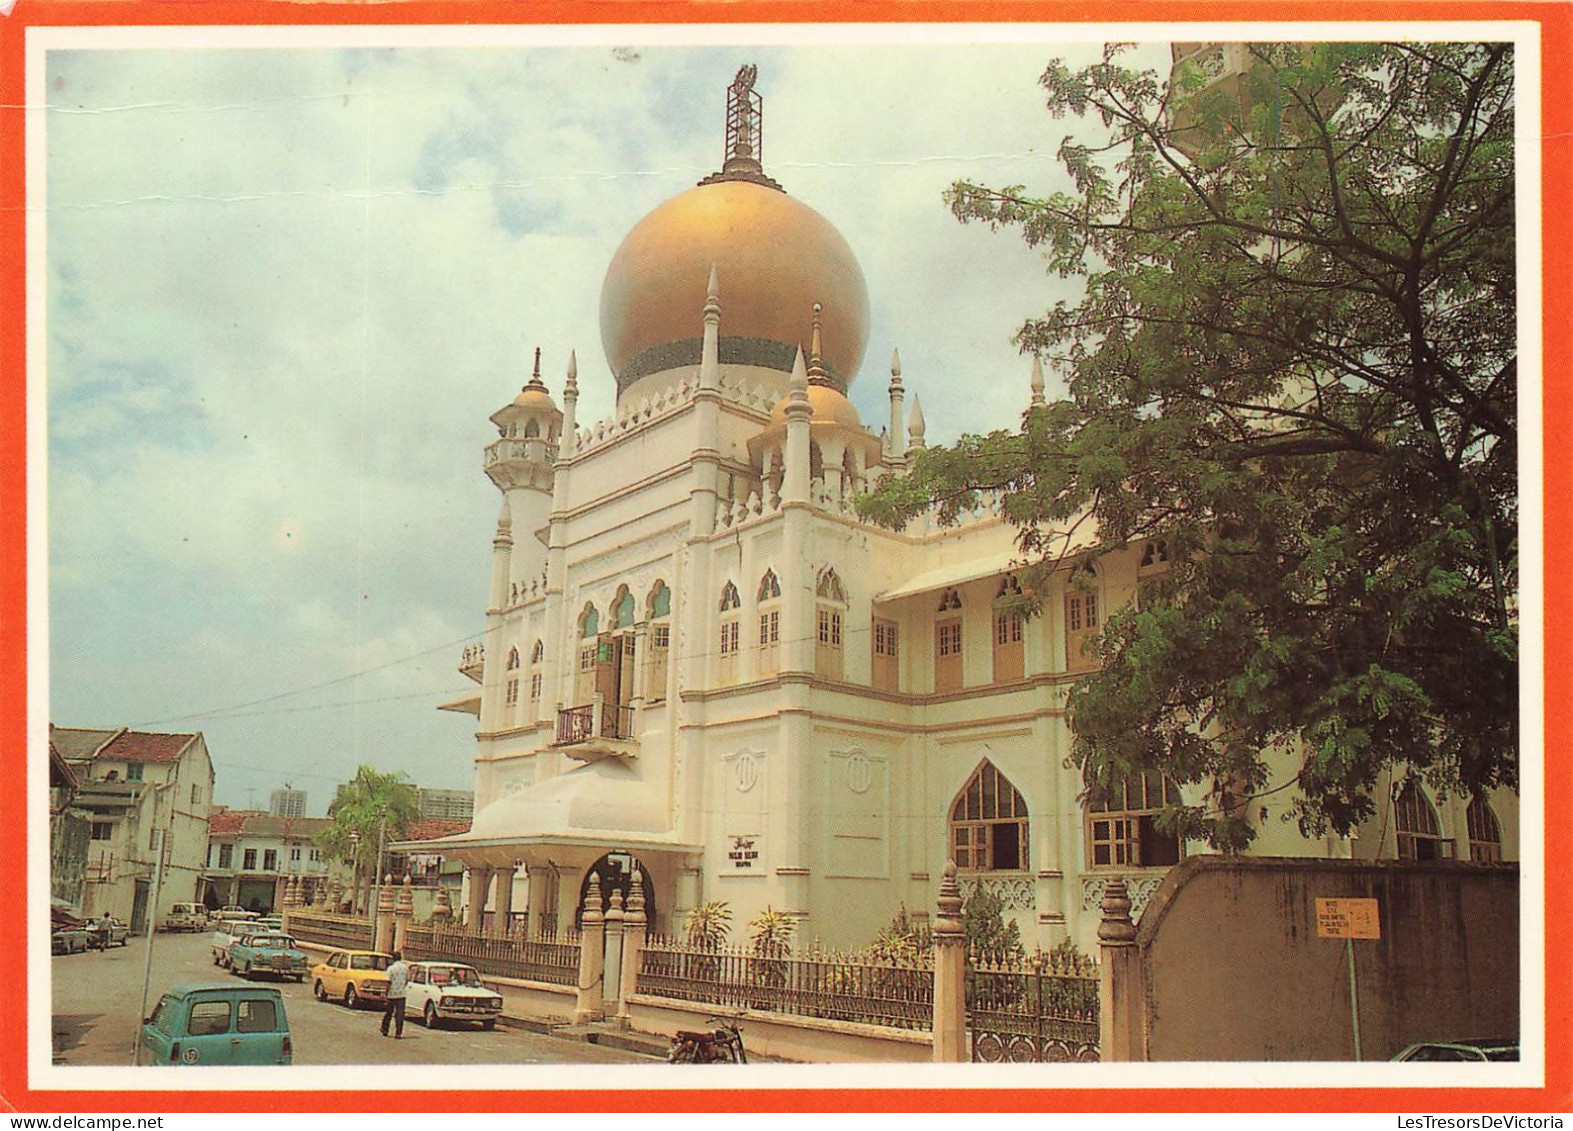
{"points": [[288, 802], [445, 804]]}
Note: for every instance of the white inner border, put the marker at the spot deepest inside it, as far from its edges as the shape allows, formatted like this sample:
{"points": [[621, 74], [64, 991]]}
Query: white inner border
{"points": [[43, 1075]]}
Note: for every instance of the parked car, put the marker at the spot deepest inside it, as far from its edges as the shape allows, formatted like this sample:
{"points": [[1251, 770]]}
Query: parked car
{"points": [[101, 937], [267, 953], [186, 917], [450, 991], [1504, 1048], [234, 911], [226, 934], [69, 940], [355, 976], [221, 1025]]}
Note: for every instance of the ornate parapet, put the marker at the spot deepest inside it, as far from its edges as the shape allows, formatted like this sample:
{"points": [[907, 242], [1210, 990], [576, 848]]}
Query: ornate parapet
{"points": [[1139, 887], [1015, 893]]}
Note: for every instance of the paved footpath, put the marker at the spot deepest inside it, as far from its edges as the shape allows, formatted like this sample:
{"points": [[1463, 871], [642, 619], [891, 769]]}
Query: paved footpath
{"points": [[97, 996]]}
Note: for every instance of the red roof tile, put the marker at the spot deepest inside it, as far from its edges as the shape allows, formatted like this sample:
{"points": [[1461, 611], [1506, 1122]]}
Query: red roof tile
{"points": [[430, 830], [140, 746], [228, 823]]}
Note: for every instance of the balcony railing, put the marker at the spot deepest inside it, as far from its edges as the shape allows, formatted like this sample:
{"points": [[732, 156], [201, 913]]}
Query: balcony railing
{"points": [[593, 725]]}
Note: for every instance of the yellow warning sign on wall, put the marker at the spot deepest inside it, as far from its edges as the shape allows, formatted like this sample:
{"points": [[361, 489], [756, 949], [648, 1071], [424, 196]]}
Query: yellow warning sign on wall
{"points": [[1347, 919]]}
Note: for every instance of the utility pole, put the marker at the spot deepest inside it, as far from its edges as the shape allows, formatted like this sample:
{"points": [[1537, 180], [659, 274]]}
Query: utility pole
{"points": [[152, 916], [376, 881]]}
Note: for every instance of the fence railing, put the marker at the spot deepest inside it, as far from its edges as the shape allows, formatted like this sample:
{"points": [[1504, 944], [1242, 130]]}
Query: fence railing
{"points": [[1032, 1007], [555, 961], [579, 724], [343, 931], [842, 987]]}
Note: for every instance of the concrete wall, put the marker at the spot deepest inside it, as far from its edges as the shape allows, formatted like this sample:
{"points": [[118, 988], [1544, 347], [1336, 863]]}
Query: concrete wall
{"points": [[1234, 969]]}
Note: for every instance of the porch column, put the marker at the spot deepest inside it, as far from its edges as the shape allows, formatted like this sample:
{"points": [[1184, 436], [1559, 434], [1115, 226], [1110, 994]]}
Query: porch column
{"points": [[475, 907], [504, 902], [1120, 1035], [633, 948], [614, 951], [588, 1007], [950, 973]]}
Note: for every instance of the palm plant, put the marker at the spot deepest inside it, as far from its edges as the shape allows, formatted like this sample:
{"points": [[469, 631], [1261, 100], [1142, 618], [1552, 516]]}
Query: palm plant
{"points": [[707, 926], [372, 809]]}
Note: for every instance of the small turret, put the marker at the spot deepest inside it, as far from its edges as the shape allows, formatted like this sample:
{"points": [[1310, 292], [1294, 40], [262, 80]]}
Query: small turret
{"points": [[915, 424], [1037, 382]]}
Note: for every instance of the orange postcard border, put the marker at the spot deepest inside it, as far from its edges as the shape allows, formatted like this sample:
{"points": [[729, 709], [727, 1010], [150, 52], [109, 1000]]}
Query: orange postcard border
{"points": [[1555, 20]]}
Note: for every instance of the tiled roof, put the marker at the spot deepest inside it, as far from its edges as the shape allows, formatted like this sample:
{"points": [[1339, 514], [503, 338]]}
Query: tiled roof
{"points": [[254, 822], [77, 744], [428, 830], [141, 746]]}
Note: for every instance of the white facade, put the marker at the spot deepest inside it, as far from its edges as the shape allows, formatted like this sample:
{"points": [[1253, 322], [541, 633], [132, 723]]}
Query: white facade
{"points": [[699, 657]]}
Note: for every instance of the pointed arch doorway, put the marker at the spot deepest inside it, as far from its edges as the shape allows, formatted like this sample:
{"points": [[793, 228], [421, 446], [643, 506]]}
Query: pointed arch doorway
{"points": [[615, 871]]}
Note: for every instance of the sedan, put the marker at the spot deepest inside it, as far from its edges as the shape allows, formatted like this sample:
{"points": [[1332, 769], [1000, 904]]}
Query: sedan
{"points": [[352, 976], [450, 991], [1503, 1048]]}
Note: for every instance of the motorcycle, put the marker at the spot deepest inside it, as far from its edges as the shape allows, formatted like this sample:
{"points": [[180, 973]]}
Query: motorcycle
{"points": [[723, 1044]]}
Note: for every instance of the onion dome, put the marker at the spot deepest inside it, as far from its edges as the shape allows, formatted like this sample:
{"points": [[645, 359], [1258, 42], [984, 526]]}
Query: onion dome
{"points": [[532, 407], [776, 255]]}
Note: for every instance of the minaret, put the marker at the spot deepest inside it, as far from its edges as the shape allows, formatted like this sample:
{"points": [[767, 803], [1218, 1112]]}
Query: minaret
{"points": [[521, 464], [502, 552], [706, 456], [794, 484], [915, 424], [1037, 383], [898, 434]]}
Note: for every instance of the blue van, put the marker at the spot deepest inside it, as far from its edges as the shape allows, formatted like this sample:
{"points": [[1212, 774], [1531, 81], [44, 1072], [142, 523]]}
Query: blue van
{"points": [[223, 1025]]}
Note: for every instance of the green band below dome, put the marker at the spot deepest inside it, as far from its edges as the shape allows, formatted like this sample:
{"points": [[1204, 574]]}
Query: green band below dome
{"points": [[733, 351]]}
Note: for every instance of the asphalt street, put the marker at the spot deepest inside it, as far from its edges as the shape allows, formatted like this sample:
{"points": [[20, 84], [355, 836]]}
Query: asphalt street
{"points": [[97, 998]]}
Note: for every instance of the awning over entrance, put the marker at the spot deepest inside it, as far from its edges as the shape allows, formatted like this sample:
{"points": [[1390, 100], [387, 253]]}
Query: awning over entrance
{"points": [[601, 805]]}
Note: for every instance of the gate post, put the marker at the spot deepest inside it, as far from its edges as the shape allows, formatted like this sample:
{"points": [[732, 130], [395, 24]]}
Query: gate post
{"points": [[614, 951], [591, 940], [950, 973], [403, 916], [382, 937], [1120, 1035], [634, 929]]}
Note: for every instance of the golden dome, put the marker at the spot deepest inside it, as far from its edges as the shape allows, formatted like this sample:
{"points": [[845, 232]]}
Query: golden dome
{"points": [[830, 406], [775, 257], [535, 397]]}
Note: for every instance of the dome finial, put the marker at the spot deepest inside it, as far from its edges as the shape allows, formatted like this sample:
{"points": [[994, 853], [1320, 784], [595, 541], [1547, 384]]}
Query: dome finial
{"points": [[1037, 381], [745, 121], [535, 374]]}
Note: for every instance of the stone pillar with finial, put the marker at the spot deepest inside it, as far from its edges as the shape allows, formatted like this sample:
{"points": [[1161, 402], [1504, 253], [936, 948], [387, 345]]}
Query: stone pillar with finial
{"points": [[615, 919], [592, 956], [442, 911], [1121, 1036], [383, 939], [635, 926], [950, 973], [916, 425], [404, 914], [1037, 383], [706, 455]]}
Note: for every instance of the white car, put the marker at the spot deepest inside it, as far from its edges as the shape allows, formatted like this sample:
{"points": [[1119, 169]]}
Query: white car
{"points": [[450, 991], [225, 935]]}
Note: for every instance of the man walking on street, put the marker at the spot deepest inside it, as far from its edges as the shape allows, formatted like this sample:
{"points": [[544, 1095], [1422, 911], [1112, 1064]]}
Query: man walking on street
{"points": [[398, 979]]}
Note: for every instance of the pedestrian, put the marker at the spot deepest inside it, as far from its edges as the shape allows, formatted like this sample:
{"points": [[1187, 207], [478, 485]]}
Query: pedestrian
{"points": [[398, 979], [106, 927]]}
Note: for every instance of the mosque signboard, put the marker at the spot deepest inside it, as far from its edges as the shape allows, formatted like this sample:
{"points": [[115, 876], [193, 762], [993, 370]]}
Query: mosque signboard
{"points": [[745, 855]]}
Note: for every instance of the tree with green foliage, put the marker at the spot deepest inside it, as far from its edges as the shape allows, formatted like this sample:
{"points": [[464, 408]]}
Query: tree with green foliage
{"points": [[1293, 362], [375, 808]]}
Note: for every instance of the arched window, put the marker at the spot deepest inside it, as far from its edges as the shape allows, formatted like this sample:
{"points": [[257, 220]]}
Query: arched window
{"points": [[730, 635], [947, 642], [1009, 631], [512, 690], [769, 587], [660, 606], [589, 622], [988, 824], [589, 656], [1419, 831], [623, 610], [532, 429], [1122, 823], [537, 658], [1081, 619], [769, 624], [830, 616], [1485, 833]]}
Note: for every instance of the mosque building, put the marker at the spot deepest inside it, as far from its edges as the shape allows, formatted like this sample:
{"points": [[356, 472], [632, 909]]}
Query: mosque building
{"points": [[701, 663]]}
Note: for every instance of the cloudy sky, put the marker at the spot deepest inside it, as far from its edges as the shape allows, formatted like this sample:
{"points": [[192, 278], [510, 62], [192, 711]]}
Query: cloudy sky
{"points": [[286, 287]]}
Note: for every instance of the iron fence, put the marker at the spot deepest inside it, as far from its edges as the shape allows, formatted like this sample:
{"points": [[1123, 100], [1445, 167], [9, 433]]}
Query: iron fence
{"points": [[343, 931], [854, 987], [1032, 1007], [551, 960]]}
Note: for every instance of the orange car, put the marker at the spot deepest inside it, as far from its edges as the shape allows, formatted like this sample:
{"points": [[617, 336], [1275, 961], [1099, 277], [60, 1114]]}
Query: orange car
{"points": [[353, 976]]}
